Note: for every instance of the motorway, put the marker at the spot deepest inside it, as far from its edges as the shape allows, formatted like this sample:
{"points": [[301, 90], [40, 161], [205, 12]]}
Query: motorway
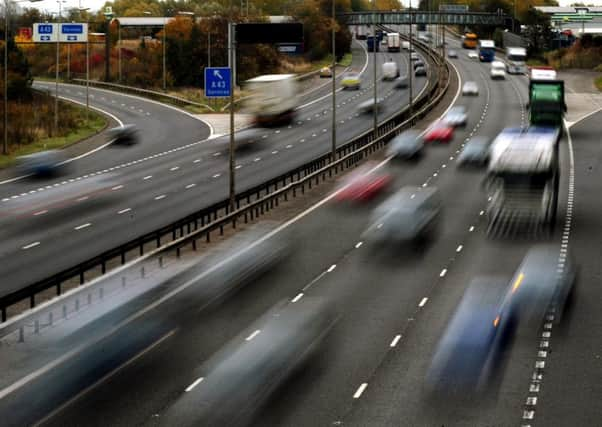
{"points": [[393, 308], [170, 174]]}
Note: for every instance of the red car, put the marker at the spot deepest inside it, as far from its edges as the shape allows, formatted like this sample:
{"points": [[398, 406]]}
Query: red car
{"points": [[363, 184], [439, 132]]}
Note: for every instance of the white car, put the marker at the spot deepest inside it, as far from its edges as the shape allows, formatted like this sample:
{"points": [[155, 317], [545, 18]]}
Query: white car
{"points": [[473, 55], [414, 56], [456, 116], [498, 70], [470, 88], [452, 54]]}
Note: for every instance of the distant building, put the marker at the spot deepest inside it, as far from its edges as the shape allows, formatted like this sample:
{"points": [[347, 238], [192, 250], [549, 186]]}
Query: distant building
{"points": [[579, 20]]}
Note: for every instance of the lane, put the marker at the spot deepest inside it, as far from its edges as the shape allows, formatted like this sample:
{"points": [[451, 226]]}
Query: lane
{"points": [[170, 174]]}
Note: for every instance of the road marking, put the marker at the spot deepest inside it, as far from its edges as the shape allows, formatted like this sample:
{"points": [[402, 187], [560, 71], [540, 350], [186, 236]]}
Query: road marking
{"points": [[122, 211], [117, 187], [360, 390], [194, 384], [217, 175], [253, 335], [423, 302], [81, 199], [358, 244], [471, 229], [331, 268], [395, 341], [257, 159], [190, 186], [298, 297], [175, 168], [459, 248], [162, 196], [40, 212], [443, 272], [81, 227], [31, 245], [196, 160], [147, 177]]}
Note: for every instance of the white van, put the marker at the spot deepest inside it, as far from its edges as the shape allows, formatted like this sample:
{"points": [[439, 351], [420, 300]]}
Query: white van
{"points": [[390, 70], [498, 70]]}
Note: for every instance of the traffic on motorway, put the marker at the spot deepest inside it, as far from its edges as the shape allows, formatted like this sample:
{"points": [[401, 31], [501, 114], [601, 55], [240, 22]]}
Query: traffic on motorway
{"points": [[412, 292]]}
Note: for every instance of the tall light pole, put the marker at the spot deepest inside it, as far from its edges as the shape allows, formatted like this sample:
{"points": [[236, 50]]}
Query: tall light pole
{"points": [[6, 31], [374, 46], [334, 101], [164, 60], [232, 146], [56, 79], [410, 72]]}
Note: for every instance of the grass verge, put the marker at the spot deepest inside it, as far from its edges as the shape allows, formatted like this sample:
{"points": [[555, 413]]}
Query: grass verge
{"points": [[82, 131], [598, 83]]}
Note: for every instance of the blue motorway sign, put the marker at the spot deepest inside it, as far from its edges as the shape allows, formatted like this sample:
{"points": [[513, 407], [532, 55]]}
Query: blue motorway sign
{"points": [[72, 29], [44, 29], [217, 82]]}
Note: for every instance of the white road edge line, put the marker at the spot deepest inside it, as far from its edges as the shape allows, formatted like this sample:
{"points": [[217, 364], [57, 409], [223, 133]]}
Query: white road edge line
{"points": [[194, 384], [31, 245], [253, 335]]}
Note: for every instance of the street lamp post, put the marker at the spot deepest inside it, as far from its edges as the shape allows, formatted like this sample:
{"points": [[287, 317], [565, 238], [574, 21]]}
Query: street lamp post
{"points": [[374, 46], [334, 102], [410, 73], [56, 79], [164, 61]]}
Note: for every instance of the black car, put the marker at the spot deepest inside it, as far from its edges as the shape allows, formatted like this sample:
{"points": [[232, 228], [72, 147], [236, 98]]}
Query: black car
{"points": [[420, 71]]}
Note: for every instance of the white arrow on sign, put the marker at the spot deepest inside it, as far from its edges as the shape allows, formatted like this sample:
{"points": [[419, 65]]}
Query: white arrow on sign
{"points": [[217, 74]]}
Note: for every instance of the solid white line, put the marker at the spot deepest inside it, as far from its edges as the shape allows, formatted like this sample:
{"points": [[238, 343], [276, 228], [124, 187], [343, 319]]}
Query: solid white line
{"points": [[298, 297], [423, 301], [331, 268], [124, 211], [194, 384], [395, 340], [31, 245], [80, 227], [253, 335], [360, 390]]}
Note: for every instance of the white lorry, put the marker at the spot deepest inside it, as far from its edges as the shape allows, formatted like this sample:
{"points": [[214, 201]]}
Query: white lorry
{"points": [[273, 99], [405, 45], [361, 32], [393, 42], [516, 58]]}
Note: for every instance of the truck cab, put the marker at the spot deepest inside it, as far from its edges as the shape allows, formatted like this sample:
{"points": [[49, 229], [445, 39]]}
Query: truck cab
{"points": [[486, 50]]}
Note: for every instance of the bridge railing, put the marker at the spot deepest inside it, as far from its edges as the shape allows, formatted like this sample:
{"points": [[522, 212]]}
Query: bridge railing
{"points": [[207, 222]]}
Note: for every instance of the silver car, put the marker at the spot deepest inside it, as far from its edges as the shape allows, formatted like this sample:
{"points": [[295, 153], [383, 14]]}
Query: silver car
{"points": [[369, 106], [456, 116], [470, 88], [452, 54], [407, 145], [475, 152]]}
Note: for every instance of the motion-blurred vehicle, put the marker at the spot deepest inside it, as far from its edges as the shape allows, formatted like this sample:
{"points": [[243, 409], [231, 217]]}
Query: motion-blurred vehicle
{"points": [[420, 72], [456, 116], [419, 63], [45, 164], [470, 88], [351, 80], [242, 376], [405, 44], [473, 55], [407, 145], [414, 56], [124, 135], [498, 70], [517, 57], [369, 106], [452, 53], [390, 70], [546, 98], [393, 42], [544, 283], [439, 131], [409, 216], [325, 72], [401, 82], [470, 351], [486, 50], [363, 184], [475, 152], [273, 99]]}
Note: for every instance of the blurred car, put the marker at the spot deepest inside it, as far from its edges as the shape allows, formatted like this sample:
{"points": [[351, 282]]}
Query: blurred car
{"points": [[419, 63], [124, 135], [473, 54], [351, 81], [401, 82], [470, 88], [420, 72], [439, 131], [369, 106], [409, 216], [239, 379], [325, 72], [44, 164], [498, 70], [475, 152], [543, 283], [456, 116], [406, 145], [452, 54], [363, 184], [414, 56], [469, 352]]}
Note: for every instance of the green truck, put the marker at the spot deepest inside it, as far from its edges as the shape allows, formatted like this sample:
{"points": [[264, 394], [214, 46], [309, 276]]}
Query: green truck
{"points": [[546, 98]]}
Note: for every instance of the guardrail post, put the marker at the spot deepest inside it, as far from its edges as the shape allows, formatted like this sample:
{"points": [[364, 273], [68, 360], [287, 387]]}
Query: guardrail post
{"points": [[178, 252], [208, 236], [142, 272], [194, 244], [122, 257], [81, 277], [21, 334], [4, 314], [32, 301], [103, 267], [58, 289]]}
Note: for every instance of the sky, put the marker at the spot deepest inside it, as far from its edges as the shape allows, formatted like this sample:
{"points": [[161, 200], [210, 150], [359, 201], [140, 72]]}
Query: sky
{"points": [[51, 5]]}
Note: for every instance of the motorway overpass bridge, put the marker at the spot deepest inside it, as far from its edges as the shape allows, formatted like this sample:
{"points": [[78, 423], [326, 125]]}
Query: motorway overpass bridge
{"points": [[425, 17]]}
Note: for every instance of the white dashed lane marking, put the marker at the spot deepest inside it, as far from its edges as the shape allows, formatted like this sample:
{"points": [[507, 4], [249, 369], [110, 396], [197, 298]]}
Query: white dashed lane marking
{"points": [[360, 390], [31, 245], [162, 196], [122, 211], [81, 227]]}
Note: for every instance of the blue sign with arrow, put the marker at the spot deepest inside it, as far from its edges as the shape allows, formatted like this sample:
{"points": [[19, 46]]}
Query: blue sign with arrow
{"points": [[217, 82]]}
